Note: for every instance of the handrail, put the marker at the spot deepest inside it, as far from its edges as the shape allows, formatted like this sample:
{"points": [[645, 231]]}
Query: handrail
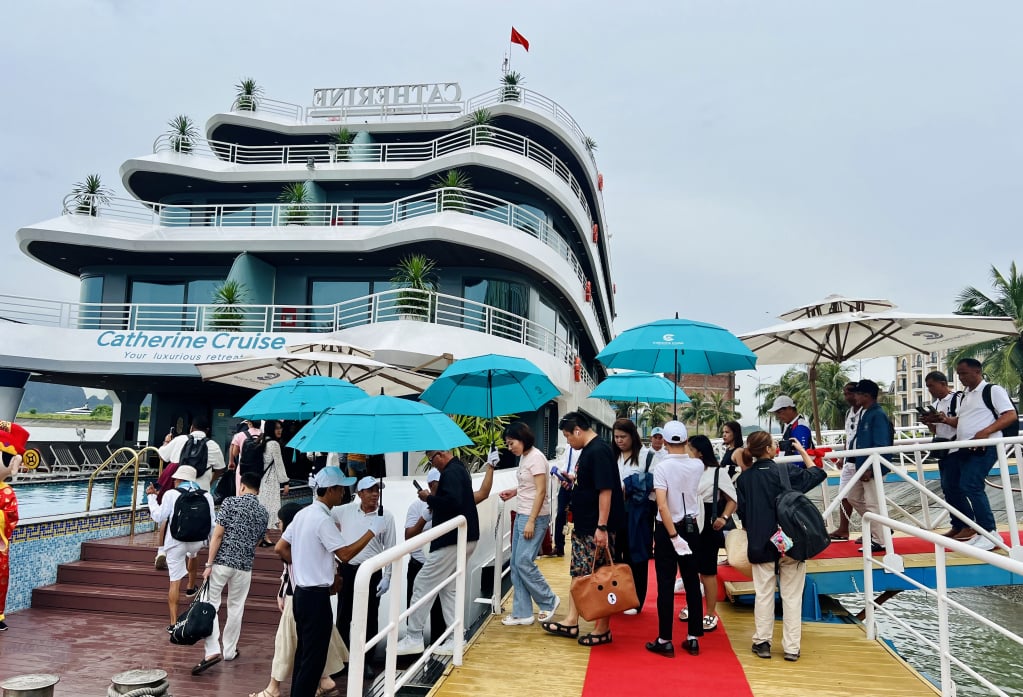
{"points": [[501, 537], [100, 468], [942, 545], [394, 557], [134, 464], [359, 153], [385, 306]]}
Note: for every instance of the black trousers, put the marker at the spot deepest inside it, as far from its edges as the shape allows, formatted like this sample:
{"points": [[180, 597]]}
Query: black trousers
{"points": [[561, 520], [437, 624], [312, 622], [345, 602], [666, 565]]}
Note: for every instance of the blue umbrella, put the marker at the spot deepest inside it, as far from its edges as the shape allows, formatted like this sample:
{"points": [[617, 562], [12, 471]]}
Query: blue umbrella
{"points": [[376, 425], [639, 386], [678, 346], [301, 398]]}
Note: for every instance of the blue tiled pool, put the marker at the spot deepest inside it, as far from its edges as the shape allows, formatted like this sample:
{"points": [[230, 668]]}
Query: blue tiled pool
{"points": [[39, 499]]}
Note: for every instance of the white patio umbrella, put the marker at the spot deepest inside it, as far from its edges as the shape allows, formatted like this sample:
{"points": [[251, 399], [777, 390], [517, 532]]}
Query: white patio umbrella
{"points": [[836, 305], [848, 335]]}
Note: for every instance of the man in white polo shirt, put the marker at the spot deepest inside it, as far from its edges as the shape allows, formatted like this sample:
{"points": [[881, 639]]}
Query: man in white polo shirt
{"points": [[311, 544]]}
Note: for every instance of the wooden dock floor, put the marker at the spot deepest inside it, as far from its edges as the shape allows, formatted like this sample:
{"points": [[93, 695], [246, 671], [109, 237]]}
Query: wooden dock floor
{"points": [[837, 660]]}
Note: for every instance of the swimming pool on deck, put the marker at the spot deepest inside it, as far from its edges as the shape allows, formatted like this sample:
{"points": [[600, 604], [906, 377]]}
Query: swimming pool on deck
{"points": [[53, 498]]}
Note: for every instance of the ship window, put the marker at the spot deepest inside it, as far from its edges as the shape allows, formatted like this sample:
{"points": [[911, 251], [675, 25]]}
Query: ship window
{"points": [[164, 305], [323, 295], [513, 298], [90, 294]]}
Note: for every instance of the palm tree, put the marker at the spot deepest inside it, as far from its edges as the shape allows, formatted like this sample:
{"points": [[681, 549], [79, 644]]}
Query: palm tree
{"points": [[90, 195], [484, 433], [247, 96], [696, 412], [452, 200], [831, 404], [655, 414], [622, 409], [182, 133], [1002, 358], [721, 410]]}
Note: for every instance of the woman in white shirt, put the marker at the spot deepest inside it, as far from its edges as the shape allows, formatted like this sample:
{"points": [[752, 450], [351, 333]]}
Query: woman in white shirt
{"points": [[532, 518], [274, 474], [636, 471]]}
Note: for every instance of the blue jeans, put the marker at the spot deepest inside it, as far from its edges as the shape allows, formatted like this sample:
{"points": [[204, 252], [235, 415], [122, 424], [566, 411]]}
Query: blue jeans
{"points": [[965, 470], [528, 582]]}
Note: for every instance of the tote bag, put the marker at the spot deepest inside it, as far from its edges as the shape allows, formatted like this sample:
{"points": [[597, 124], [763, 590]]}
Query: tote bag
{"points": [[605, 591]]}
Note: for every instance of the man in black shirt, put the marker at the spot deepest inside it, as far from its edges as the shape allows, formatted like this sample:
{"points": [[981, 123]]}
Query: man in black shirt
{"points": [[598, 509], [454, 497]]}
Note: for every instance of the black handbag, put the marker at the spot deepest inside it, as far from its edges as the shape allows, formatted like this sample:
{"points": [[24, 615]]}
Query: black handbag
{"points": [[196, 622], [687, 526], [225, 487]]}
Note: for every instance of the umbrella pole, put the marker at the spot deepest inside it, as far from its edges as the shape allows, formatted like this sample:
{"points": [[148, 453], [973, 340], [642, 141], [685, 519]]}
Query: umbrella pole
{"points": [[813, 400], [674, 396]]}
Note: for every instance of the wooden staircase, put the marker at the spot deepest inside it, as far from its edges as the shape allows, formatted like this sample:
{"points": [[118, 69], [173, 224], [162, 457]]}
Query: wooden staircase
{"points": [[117, 577]]}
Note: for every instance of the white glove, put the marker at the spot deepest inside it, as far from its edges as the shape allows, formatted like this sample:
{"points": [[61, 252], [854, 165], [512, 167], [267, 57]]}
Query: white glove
{"points": [[681, 546], [378, 526], [384, 584], [494, 458]]}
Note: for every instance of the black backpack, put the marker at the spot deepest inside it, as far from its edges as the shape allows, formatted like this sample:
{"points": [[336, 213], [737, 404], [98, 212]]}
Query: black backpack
{"points": [[800, 520], [191, 520], [1013, 428], [195, 453], [251, 457]]}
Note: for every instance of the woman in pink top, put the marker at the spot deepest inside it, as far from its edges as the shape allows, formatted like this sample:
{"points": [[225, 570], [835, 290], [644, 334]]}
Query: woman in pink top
{"points": [[532, 516]]}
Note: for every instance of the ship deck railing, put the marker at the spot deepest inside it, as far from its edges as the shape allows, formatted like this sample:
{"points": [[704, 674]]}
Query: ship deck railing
{"points": [[360, 153], [874, 609]]}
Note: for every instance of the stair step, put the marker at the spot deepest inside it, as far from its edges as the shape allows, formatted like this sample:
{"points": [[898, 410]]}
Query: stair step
{"points": [[99, 550], [122, 575]]}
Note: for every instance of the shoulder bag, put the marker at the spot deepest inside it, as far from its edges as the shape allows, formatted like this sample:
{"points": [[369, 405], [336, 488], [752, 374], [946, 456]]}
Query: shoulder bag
{"points": [[605, 591]]}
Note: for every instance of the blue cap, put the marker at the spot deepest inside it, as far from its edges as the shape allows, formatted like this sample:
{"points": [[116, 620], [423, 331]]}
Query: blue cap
{"points": [[328, 477], [658, 431]]}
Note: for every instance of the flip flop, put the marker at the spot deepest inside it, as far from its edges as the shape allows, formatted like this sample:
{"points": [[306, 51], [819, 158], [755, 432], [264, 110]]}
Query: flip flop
{"points": [[838, 538], [200, 667], [569, 631], [592, 639]]}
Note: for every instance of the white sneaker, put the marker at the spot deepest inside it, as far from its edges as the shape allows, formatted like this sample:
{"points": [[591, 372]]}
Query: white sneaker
{"points": [[510, 621], [447, 648], [981, 542], [631, 611], [679, 586], [408, 645], [548, 615]]}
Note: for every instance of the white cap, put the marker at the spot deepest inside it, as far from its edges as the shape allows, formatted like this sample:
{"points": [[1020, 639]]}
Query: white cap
{"points": [[658, 431], [369, 483], [328, 477], [781, 402], [433, 475], [185, 473], [675, 432]]}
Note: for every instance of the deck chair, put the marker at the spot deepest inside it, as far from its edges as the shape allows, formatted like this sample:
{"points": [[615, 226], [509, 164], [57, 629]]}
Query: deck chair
{"points": [[121, 458], [64, 461], [93, 458], [42, 471]]}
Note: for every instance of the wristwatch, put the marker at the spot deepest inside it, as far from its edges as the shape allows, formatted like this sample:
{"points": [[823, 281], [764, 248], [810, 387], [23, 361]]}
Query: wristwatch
{"points": [[602, 528]]}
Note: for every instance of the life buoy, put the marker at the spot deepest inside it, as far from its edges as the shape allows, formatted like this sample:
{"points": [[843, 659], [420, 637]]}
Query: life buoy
{"points": [[596, 233], [578, 369], [588, 291], [289, 316]]}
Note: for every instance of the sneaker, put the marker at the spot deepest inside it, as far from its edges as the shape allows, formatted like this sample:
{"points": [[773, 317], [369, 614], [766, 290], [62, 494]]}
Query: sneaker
{"points": [[679, 587], [710, 623], [793, 657], [964, 535], [510, 621], [981, 542], [191, 591], [160, 563], [548, 615], [447, 648], [631, 611], [170, 628], [763, 649], [3, 626], [683, 614], [874, 548], [408, 646]]}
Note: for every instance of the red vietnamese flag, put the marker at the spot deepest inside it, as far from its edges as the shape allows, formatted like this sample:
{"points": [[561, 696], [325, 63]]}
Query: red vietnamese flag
{"points": [[517, 38]]}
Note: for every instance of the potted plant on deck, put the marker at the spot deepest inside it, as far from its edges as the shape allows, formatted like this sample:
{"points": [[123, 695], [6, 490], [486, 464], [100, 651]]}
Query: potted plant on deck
{"points": [[89, 195], [298, 195], [183, 133], [449, 183], [228, 315], [510, 82], [417, 274], [480, 119], [341, 145], [247, 95]]}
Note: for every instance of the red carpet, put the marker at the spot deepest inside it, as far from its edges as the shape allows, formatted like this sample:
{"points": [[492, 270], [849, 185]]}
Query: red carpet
{"points": [[625, 667]]}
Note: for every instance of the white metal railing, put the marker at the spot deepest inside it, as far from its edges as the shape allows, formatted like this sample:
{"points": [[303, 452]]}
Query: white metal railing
{"points": [[272, 106], [394, 557], [377, 152], [502, 552], [454, 200], [385, 306], [942, 545]]}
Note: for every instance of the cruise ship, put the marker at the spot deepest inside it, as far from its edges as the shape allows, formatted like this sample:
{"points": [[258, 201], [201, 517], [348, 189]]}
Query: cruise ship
{"points": [[302, 221]]}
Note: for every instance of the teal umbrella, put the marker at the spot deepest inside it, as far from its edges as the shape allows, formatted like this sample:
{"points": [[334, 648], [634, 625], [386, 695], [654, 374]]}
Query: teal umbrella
{"points": [[376, 425], [299, 399], [640, 387]]}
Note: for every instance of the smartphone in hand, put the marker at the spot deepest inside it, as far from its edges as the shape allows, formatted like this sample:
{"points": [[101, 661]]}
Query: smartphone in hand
{"points": [[417, 485]]}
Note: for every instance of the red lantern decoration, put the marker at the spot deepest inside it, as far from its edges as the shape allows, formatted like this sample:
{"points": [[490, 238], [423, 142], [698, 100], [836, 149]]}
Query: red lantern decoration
{"points": [[589, 291], [596, 233], [600, 182]]}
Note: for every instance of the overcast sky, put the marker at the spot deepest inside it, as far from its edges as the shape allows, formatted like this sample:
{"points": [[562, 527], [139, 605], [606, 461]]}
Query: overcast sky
{"points": [[756, 155]]}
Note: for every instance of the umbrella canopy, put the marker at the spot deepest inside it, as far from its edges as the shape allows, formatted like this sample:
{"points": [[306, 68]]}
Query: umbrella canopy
{"points": [[369, 374], [376, 425], [490, 385], [300, 398], [678, 346], [639, 386], [837, 304]]}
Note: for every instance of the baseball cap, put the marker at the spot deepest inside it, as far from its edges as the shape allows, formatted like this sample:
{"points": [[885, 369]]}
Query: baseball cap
{"points": [[658, 431], [13, 438], [867, 387], [433, 475], [185, 473], [328, 477], [675, 432], [780, 402], [369, 483]]}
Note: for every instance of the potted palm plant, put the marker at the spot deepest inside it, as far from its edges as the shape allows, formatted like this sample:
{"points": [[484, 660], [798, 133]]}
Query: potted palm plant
{"points": [[450, 181], [511, 82], [247, 95], [341, 144], [480, 119], [297, 194], [89, 195], [183, 133], [228, 298], [590, 143], [416, 273]]}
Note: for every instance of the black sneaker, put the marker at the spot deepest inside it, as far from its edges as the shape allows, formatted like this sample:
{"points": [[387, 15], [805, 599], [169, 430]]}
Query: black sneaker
{"points": [[191, 591], [3, 626], [763, 649], [170, 628]]}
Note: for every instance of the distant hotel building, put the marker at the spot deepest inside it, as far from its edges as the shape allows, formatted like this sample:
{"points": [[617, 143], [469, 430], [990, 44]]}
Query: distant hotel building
{"points": [[910, 370]]}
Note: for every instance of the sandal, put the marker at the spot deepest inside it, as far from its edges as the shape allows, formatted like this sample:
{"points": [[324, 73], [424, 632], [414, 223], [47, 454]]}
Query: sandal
{"points": [[592, 639], [264, 693], [569, 631], [200, 667], [838, 538]]}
